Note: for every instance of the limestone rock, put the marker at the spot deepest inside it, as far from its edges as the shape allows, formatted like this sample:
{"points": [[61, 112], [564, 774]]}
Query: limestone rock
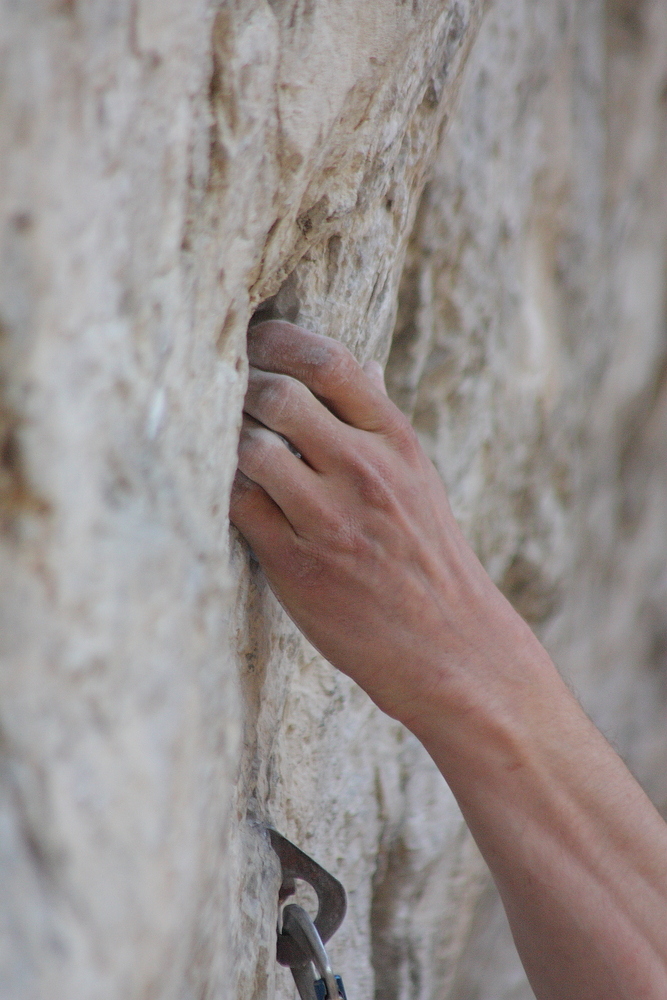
{"points": [[167, 170]]}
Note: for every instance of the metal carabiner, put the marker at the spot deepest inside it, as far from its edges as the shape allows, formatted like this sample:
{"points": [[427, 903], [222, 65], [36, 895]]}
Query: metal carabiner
{"points": [[301, 939], [331, 900], [298, 925]]}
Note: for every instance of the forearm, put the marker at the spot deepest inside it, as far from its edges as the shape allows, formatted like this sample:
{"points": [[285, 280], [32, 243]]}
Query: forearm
{"points": [[577, 850]]}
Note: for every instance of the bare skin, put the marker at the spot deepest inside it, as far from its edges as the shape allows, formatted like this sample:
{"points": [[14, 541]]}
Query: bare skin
{"points": [[357, 539]]}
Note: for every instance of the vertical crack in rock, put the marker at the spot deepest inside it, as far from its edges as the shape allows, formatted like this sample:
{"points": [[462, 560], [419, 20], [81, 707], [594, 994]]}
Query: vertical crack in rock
{"points": [[16, 494]]}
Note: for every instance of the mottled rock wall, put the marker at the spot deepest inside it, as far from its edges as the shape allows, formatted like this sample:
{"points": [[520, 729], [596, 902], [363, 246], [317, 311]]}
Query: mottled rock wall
{"points": [[167, 169]]}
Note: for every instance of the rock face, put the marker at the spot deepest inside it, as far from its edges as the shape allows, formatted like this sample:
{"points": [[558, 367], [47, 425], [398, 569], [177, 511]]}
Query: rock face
{"points": [[167, 170]]}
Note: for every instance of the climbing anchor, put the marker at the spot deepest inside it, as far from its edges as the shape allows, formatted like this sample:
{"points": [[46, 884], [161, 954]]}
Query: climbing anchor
{"points": [[301, 939]]}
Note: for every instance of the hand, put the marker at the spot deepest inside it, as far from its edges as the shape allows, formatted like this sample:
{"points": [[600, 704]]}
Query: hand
{"points": [[355, 533]]}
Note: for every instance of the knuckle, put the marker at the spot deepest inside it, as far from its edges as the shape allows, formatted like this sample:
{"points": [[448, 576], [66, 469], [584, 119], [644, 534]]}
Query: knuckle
{"points": [[373, 479], [299, 394], [358, 465], [339, 366], [376, 491], [277, 396], [405, 437], [284, 396], [256, 450]]}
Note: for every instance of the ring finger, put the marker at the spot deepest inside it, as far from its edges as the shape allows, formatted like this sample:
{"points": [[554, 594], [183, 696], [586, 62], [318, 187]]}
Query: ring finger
{"points": [[266, 460], [288, 407]]}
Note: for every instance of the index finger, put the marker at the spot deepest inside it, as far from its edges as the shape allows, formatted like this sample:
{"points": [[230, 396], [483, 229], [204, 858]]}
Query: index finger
{"points": [[327, 368]]}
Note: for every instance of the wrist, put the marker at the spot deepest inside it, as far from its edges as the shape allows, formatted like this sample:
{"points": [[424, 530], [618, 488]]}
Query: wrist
{"points": [[494, 707]]}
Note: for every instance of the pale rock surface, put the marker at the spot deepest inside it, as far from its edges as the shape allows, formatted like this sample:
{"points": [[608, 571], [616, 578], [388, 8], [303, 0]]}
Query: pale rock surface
{"points": [[166, 169]]}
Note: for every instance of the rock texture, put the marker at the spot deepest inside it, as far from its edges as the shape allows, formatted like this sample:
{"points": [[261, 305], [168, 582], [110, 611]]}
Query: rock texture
{"points": [[167, 170]]}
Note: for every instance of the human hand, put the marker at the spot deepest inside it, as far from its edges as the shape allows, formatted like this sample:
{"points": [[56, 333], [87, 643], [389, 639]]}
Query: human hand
{"points": [[355, 534]]}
